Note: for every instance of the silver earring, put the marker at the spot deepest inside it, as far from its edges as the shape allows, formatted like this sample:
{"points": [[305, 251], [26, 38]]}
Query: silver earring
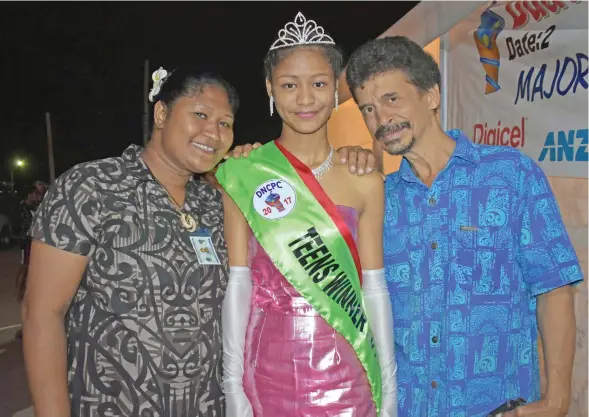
{"points": [[336, 98], [271, 105]]}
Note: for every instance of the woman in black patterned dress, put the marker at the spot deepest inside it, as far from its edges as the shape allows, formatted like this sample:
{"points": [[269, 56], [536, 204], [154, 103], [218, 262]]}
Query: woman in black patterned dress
{"points": [[130, 251]]}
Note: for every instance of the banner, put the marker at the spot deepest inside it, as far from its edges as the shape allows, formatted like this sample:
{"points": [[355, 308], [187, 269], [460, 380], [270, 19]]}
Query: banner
{"points": [[517, 76]]}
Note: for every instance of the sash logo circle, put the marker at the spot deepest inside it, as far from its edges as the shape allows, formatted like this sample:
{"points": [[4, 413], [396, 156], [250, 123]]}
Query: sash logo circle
{"points": [[274, 199]]}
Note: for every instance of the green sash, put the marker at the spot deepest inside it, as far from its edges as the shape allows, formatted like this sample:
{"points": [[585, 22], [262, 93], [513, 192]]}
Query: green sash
{"points": [[301, 230]]}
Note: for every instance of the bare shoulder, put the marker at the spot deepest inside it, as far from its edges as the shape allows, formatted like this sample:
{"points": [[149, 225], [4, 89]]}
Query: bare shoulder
{"points": [[365, 184], [371, 185]]}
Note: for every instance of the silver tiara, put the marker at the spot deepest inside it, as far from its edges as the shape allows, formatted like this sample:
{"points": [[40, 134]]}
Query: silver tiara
{"points": [[301, 32]]}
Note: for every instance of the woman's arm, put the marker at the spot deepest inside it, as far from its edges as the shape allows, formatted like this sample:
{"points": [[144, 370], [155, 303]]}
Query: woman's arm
{"points": [[64, 235], [370, 226], [236, 232], [376, 296], [236, 310], [53, 278]]}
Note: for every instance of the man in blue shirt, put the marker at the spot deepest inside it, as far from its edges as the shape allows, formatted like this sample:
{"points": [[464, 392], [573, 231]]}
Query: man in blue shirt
{"points": [[477, 256]]}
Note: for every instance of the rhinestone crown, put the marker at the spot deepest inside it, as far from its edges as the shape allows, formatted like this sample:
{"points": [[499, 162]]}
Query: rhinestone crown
{"points": [[301, 32]]}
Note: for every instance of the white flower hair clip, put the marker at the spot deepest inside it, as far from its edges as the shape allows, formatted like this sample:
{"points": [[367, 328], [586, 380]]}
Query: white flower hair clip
{"points": [[158, 78]]}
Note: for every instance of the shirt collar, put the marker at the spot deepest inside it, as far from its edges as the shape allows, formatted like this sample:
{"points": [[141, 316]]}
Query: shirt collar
{"points": [[137, 167], [135, 163], [465, 150]]}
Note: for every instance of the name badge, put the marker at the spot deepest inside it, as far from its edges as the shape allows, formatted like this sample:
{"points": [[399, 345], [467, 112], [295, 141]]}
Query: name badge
{"points": [[203, 247]]}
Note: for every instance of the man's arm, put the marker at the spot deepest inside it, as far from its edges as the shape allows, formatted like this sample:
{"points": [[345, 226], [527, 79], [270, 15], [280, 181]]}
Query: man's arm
{"points": [[556, 323], [549, 266]]}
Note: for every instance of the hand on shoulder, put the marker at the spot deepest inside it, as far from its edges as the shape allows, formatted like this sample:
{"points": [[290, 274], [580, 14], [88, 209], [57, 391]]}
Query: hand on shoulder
{"points": [[242, 150], [358, 160], [368, 179]]}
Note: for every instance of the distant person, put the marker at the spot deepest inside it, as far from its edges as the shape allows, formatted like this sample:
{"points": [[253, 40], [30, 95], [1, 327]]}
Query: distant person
{"points": [[130, 251], [41, 188], [28, 207]]}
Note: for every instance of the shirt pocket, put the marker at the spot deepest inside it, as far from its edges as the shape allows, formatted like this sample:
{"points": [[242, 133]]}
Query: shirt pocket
{"points": [[483, 262]]}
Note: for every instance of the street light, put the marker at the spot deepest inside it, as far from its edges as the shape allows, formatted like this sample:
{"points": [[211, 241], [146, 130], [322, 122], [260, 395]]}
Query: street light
{"points": [[18, 163]]}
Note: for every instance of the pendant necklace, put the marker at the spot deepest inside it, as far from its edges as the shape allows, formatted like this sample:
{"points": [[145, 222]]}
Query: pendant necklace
{"points": [[186, 219]]}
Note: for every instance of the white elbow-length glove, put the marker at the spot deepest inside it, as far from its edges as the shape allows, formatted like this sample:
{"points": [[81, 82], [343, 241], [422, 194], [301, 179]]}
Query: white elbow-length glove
{"points": [[235, 314], [380, 317]]}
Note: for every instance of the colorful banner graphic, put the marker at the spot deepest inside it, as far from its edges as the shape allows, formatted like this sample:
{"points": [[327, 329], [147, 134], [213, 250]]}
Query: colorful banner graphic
{"points": [[517, 76]]}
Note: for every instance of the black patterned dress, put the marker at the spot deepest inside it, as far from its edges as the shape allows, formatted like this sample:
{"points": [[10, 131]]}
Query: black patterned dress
{"points": [[143, 330]]}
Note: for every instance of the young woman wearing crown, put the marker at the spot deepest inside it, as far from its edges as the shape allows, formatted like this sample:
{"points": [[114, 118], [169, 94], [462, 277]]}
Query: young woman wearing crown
{"points": [[307, 321]]}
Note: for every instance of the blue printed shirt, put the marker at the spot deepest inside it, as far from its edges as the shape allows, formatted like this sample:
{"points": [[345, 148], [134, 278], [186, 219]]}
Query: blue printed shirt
{"points": [[464, 261]]}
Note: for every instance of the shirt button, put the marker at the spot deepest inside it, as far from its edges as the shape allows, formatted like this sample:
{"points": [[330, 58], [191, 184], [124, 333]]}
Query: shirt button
{"points": [[435, 339], [434, 245], [432, 201], [434, 384]]}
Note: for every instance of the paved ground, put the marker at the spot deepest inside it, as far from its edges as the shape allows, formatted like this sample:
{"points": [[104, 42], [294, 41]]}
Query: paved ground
{"points": [[9, 308], [14, 395]]}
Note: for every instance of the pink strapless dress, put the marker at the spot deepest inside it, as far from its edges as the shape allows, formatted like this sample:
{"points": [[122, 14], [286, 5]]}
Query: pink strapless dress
{"points": [[296, 365]]}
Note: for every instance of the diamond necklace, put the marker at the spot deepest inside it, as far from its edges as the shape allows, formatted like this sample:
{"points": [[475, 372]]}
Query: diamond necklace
{"points": [[322, 169]]}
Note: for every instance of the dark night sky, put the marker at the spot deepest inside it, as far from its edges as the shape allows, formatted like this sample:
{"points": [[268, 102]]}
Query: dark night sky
{"points": [[83, 62]]}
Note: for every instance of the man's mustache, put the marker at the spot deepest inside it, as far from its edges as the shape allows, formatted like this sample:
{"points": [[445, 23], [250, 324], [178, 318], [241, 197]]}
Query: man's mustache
{"points": [[384, 130]]}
